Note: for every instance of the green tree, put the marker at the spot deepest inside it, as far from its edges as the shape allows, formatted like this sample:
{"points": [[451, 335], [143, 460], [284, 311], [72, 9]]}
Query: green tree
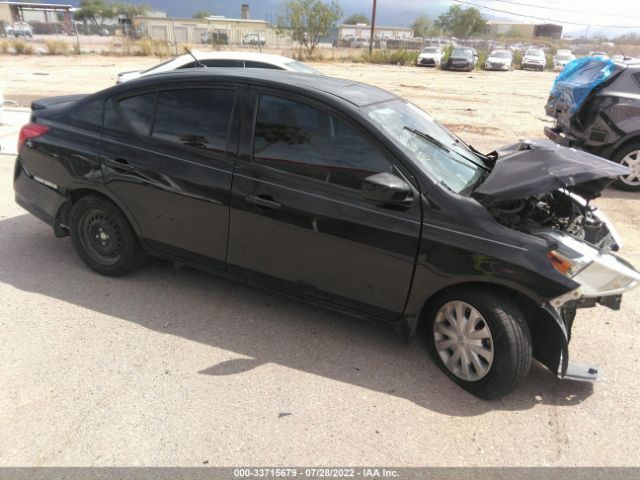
{"points": [[356, 18], [94, 10], [461, 22], [421, 26], [307, 20], [129, 10], [202, 14]]}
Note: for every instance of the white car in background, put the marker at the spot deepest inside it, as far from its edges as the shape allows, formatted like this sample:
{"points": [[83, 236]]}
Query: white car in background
{"points": [[561, 58], [499, 60], [224, 60], [430, 57], [534, 59], [599, 54]]}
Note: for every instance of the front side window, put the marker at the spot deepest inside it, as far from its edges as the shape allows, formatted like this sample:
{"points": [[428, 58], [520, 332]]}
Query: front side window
{"points": [[197, 117], [307, 141]]}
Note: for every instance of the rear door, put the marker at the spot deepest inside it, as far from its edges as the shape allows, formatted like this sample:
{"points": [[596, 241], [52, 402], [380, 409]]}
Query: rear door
{"points": [[168, 154], [298, 218]]}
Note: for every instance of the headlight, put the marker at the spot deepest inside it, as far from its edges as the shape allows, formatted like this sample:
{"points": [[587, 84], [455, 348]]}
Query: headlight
{"points": [[599, 274]]}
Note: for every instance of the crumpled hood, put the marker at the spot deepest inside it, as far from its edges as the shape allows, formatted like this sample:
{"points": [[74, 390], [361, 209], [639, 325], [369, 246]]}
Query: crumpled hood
{"points": [[536, 167]]}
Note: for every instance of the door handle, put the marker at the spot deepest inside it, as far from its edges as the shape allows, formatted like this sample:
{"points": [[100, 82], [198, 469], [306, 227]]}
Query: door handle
{"points": [[263, 201], [118, 164]]}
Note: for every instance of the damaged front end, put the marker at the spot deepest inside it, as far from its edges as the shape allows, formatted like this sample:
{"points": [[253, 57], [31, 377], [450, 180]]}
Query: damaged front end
{"points": [[543, 189]]}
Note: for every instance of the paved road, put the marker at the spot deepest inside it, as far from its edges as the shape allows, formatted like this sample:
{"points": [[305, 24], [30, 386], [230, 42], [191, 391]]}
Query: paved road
{"points": [[177, 367]]}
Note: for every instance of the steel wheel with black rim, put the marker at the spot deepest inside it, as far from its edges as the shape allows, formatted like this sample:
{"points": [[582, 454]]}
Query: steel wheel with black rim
{"points": [[103, 237], [630, 158], [480, 339]]}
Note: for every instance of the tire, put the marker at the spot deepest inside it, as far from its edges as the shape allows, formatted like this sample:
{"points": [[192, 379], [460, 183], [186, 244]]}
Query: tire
{"points": [[103, 237], [629, 156], [495, 363]]}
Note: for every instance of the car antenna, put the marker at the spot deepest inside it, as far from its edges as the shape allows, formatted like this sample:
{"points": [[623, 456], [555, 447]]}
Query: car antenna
{"points": [[200, 64], [619, 48]]}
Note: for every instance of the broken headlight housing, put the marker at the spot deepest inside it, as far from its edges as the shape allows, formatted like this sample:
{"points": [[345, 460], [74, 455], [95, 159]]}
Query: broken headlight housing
{"points": [[600, 274]]}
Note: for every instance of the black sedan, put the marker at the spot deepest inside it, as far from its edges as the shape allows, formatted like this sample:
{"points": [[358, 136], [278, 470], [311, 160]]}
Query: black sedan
{"points": [[339, 193]]}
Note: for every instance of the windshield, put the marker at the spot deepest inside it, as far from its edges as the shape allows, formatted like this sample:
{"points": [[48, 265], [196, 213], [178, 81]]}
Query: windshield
{"points": [[500, 54], [430, 50], [301, 67], [533, 53], [436, 150], [563, 57], [461, 52]]}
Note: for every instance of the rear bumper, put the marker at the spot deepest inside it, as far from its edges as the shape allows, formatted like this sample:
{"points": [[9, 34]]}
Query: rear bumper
{"points": [[36, 198]]}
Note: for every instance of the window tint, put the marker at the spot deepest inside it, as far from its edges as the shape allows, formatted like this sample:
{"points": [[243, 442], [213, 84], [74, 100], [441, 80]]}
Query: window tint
{"points": [[138, 111], [196, 118], [301, 139], [252, 64]]}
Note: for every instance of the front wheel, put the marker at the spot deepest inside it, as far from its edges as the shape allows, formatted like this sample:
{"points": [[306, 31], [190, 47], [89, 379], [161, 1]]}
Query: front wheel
{"points": [[480, 339], [103, 238], [629, 157]]}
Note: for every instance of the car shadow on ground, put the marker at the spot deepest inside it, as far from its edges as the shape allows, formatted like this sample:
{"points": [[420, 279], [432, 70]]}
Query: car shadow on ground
{"points": [[260, 325]]}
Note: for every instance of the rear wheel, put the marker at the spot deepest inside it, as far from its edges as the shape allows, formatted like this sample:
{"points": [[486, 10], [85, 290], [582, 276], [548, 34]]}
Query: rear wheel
{"points": [[629, 156], [480, 339], [103, 238]]}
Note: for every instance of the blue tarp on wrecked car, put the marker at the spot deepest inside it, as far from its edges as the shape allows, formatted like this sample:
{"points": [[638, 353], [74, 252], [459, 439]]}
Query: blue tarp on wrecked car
{"points": [[577, 80]]}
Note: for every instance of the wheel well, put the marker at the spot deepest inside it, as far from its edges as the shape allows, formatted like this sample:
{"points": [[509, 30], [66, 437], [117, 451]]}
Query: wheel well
{"points": [[75, 195], [548, 337], [625, 144]]}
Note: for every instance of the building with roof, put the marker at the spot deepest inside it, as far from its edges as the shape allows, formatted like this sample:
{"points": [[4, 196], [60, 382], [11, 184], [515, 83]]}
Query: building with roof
{"points": [[12, 12], [524, 30]]}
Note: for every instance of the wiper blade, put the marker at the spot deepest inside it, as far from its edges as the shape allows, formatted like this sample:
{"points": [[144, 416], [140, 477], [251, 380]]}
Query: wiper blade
{"points": [[428, 138]]}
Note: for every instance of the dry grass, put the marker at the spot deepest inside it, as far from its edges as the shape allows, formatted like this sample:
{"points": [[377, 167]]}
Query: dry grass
{"points": [[4, 46], [22, 48], [57, 47]]}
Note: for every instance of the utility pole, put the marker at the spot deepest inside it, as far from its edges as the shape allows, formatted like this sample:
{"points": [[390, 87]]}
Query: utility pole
{"points": [[373, 27]]}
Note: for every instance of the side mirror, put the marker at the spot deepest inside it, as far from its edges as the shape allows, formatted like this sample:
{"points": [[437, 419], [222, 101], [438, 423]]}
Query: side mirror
{"points": [[387, 188]]}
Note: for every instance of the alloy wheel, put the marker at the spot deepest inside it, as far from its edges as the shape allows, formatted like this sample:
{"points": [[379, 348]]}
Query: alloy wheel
{"points": [[631, 160]]}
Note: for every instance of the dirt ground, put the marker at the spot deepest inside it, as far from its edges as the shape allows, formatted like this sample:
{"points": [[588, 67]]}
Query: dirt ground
{"points": [[177, 367]]}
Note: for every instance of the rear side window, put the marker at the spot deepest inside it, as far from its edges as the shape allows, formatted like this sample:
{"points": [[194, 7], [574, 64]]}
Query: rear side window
{"points": [[301, 139], [138, 112], [197, 118]]}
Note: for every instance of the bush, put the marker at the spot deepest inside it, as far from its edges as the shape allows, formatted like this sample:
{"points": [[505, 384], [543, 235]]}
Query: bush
{"points": [[483, 54], [148, 47], [517, 59], [4, 46], [393, 57], [57, 47], [549, 65], [22, 48], [447, 53]]}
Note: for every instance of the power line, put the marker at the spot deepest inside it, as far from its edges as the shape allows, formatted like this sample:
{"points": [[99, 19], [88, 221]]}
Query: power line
{"points": [[565, 9], [542, 18]]}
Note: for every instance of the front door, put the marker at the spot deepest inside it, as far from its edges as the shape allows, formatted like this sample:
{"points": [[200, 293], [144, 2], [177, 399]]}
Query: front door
{"points": [[168, 154], [298, 219]]}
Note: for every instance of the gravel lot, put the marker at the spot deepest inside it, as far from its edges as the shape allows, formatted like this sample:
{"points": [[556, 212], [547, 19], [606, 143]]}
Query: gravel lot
{"points": [[177, 367]]}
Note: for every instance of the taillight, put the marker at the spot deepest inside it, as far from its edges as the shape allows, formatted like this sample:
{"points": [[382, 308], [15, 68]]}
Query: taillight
{"points": [[31, 131]]}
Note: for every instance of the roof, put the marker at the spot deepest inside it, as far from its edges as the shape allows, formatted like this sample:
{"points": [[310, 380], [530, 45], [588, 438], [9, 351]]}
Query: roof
{"points": [[359, 94], [240, 55], [38, 5]]}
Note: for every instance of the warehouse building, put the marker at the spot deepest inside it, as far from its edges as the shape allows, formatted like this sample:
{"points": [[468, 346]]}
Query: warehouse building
{"points": [[524, 30]]}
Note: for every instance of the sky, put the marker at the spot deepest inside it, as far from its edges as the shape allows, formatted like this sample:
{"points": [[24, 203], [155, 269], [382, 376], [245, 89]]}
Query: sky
{"points": [[598, 14]]}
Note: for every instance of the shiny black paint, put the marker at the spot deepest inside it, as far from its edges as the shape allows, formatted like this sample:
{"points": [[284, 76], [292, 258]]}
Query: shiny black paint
{"points": [[221, 211]]}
